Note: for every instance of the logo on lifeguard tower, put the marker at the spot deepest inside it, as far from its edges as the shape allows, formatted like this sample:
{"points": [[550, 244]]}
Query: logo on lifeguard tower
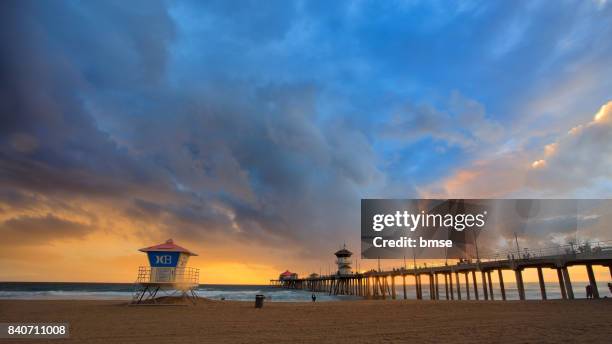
{"points": [[163, 260]]}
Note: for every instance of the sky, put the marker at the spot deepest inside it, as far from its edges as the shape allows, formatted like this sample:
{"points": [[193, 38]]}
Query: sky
{"points": [[249, 131]]}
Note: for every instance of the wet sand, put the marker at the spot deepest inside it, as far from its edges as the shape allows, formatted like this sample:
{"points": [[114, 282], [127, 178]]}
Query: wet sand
{"points": [[374, 321]]}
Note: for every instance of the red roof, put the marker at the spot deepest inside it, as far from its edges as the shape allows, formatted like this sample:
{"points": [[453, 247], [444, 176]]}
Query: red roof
{"points": [[168, 246], [287, 273]]}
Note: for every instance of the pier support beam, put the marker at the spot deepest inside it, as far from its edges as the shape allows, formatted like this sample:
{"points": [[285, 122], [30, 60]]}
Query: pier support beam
{"points": [[432, 295], [360, 288], [420, 288], [467, 284], [446, 285], [392, 287], [519, 283], [542, 285], [404, 281], [383, 287], [450, 282], [375, 287], [417, 281], [437, 287], [561, 283], [475, 285], [501, 284], [485, 290], [490, 285], [568, 283], [592, 281], [458, 285]]}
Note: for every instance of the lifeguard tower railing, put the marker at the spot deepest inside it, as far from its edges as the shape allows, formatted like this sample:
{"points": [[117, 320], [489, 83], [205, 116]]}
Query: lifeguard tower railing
{"points": [[180, 276], [170, 281]]}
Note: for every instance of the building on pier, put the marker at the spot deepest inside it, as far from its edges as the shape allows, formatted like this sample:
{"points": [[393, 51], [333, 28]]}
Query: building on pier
{"points": [[344, 261], [287, 276]]}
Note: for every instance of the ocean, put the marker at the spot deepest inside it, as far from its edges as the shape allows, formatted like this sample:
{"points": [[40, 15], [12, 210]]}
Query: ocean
{"points": [[123, 291]]}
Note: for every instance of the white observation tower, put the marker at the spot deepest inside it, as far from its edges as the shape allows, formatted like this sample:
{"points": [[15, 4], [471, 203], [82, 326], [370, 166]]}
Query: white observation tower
{"points": [[344, 261]]}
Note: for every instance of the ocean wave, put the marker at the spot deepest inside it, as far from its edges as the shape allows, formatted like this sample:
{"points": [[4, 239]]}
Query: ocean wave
{"points": [[67, 291], [272, 294], [65, 295]]}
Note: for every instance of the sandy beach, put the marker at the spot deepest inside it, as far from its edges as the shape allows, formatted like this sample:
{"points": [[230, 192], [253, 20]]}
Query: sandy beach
{"points": [[375, 321]]}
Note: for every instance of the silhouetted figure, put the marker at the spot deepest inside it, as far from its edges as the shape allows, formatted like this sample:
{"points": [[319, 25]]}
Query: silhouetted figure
{"points": [[610, 287], [589, 292], [313, 297]]}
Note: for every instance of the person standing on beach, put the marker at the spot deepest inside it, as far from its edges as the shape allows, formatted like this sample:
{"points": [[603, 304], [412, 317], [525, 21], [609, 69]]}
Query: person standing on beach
{"points": [[589, 292], [314, 297]]}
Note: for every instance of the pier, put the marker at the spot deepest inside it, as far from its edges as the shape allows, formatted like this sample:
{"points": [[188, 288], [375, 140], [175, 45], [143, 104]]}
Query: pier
{"points": [[459, 281]]}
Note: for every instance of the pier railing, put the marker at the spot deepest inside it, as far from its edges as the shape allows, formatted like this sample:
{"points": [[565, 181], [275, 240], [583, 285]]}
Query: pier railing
{"points": [[586, 249], [161, 275]]}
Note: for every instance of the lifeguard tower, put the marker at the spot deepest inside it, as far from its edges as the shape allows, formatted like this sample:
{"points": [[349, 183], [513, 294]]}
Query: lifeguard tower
{"points": [[167, 273]]}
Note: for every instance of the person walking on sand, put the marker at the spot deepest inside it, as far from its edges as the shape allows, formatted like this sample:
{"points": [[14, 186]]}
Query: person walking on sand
{"points": [[589, 292], [313, 297]]}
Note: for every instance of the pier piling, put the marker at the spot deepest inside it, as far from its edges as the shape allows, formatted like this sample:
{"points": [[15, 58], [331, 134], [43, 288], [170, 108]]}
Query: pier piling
{"points": [[519, 283], [467, 285], [437, 287], [484, 285], [542, 285], [561, 283], [592, 281], [475, 285], [458, 285], [446, 286], [568, 283], [490, 285], [501, 284]]}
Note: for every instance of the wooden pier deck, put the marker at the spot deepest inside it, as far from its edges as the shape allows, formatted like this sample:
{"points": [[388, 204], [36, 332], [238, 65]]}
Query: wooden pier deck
{"points": [[446, 279]]}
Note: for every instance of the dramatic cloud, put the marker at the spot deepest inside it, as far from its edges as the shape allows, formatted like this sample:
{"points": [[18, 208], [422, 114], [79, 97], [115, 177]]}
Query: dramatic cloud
{"points": [[465, 124], [579, 159], [252, 161], [26, 230], [252, 130], [577, 164]]}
